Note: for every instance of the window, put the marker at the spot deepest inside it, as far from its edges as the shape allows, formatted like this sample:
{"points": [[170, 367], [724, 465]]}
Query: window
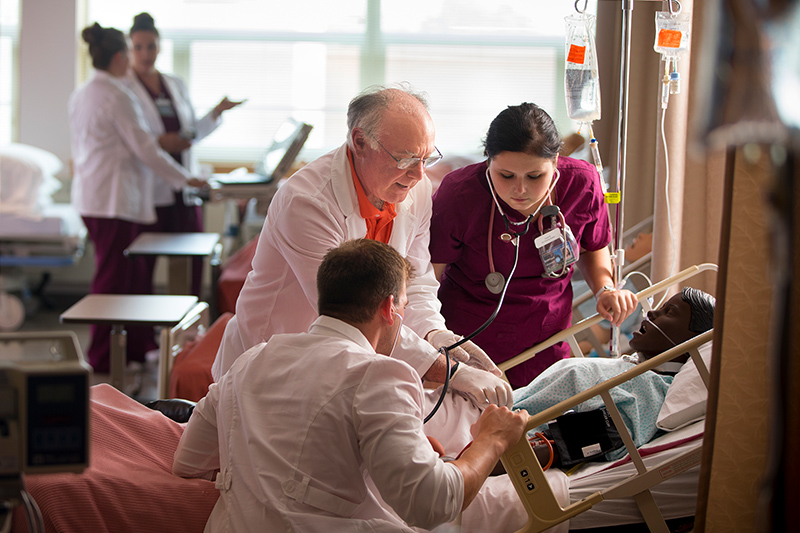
{"points": [[9, 87], [308, 59]]}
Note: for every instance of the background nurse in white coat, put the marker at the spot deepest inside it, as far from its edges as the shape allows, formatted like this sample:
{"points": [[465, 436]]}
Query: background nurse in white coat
{"points": [[169, 114], [372, 186], [115, 159]]}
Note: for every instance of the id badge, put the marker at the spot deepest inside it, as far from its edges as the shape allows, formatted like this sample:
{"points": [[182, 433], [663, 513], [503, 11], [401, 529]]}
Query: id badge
{"points": [[165, 107], [555, 255]]}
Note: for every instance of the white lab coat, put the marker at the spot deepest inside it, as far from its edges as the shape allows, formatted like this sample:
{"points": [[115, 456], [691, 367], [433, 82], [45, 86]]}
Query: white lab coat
{"points": [[315, 211], [307, 423], [202, 127], [114, 153]]}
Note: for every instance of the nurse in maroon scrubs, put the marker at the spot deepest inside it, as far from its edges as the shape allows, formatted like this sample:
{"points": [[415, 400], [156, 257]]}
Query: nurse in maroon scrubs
{"points": [[528, 200]]}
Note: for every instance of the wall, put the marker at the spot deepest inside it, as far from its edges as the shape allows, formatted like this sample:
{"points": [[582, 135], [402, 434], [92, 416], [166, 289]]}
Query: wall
{"points": [[48, 47]]}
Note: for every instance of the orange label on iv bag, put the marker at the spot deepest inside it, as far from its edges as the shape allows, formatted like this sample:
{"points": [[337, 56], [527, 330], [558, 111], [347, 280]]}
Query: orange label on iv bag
{"points": [[577, 54], [669, 39], [612, 197]]}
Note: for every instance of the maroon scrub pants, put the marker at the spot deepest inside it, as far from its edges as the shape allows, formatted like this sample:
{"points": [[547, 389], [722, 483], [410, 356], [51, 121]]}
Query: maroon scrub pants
{"points": [[117, 274]]}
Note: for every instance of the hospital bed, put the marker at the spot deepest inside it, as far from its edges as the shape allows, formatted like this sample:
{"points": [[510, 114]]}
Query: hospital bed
{"points": [[55, 239], [129, 481], [655, 482], [35, 232]]}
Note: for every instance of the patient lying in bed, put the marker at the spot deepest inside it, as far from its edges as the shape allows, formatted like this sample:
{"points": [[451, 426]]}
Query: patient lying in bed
{"points": [[682, 317]]}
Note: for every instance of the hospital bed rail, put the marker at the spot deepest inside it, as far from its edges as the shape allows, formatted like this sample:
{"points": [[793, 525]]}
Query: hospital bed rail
{"points": [[194, 324], [528, 477], [527, 474], [569, 334]]}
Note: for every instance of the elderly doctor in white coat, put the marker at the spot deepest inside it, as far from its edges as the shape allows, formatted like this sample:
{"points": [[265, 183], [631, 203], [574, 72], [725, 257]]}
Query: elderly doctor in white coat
{"points": [[115, 159], [373, 186]]}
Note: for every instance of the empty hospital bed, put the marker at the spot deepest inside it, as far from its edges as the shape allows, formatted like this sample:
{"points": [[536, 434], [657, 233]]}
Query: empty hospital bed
{"points": [[656, 482], [54, 239], [35, 232]]}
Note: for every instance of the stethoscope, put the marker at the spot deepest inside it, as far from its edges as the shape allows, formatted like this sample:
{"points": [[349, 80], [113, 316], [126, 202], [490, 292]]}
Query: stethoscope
{"points": [[508, 236], [495, 281]]}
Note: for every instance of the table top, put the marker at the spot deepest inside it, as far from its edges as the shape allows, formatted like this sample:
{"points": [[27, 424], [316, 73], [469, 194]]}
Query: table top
{"points": [[129, 309], [173, 244]]}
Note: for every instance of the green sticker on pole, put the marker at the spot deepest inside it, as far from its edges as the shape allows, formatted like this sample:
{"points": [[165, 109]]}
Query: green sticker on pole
{"points": [[612, 197]]}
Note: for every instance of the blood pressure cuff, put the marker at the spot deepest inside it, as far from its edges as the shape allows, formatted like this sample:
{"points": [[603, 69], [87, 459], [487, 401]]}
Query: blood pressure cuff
{"points": [[581, 437]]}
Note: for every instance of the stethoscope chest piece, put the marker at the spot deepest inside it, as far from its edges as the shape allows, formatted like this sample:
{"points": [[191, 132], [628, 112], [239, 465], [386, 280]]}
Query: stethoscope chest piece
{"points": [[506, 237], [495, 282]]}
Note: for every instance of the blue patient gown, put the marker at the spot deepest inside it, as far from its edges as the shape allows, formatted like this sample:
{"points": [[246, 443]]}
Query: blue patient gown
{"points": [[639, 400]]}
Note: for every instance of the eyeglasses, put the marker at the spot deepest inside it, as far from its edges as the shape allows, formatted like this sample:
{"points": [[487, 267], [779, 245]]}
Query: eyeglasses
{"points": [[408, 162]]}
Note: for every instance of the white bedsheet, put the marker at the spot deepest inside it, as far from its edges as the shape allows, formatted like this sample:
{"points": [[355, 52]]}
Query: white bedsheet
{"points": [[676, 497], [55, 220]]}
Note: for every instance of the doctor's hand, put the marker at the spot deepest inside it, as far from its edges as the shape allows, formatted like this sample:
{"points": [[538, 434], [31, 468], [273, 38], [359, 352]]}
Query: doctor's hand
{"points": [[468, 353], [616, 305], [481, 387]]}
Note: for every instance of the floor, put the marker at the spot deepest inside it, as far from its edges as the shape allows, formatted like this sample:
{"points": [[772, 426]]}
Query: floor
{"points": [[140, 380]]}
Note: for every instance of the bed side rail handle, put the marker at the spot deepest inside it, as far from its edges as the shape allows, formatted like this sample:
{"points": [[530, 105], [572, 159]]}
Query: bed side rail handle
{"points": [[541, 505]]}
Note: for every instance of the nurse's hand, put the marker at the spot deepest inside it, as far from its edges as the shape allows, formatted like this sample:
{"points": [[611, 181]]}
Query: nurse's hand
{"points": [[615, 306], [173, 143], [468, 353], [481, 387], [197, 183]]}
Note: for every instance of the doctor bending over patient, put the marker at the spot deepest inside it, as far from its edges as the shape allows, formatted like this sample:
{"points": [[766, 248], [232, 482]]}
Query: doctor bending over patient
{"points": [[355, 417], [373, 186]]}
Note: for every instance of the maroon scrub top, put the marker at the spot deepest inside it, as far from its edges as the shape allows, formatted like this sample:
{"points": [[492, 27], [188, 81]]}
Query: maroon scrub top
{"points": [[534, 308]]}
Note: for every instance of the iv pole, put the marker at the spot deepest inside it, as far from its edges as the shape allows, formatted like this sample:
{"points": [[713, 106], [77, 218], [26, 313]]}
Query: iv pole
{"points": [[618, 257], [616, 193]]}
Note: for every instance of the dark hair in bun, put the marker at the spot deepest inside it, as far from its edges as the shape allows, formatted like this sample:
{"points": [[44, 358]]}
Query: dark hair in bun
{"points": [[143, 22], [103, 44]]}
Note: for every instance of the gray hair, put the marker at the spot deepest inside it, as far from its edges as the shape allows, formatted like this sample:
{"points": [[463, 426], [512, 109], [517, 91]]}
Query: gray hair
{"points": [[366, 110]]}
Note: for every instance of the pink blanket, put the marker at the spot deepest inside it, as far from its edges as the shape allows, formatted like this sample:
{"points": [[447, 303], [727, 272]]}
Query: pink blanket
{"points": [[129, 484]]}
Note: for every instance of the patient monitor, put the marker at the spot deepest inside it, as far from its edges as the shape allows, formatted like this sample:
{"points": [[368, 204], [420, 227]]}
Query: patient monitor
{"points": [[44, 404]]}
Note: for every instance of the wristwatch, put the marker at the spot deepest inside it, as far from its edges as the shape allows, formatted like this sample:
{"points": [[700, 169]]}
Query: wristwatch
{"points": [[603, 289]]}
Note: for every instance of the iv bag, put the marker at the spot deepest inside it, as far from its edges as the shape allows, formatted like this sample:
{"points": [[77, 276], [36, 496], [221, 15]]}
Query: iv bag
{"points": [[672, 33], [581, 80]]}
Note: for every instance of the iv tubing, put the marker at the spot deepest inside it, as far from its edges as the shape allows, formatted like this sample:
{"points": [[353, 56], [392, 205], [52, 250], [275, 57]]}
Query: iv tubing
{"points": [[666, 199]]}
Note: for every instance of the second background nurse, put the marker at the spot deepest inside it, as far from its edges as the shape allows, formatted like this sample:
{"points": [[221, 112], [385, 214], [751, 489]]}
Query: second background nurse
{"points": [[169, 113]]}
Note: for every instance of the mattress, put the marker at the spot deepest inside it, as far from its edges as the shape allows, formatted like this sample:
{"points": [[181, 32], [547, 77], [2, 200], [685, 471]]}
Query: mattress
{"points": [[56, 219], [676, 497], [59, 231]]}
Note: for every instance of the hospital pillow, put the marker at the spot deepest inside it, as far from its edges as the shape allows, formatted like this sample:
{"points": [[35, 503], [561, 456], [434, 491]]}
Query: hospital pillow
{"points": [[27, 179], [686, 397]]}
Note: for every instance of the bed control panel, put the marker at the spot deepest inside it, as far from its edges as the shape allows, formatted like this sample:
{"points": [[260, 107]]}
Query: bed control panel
{"points": [[523, 472], [533, 489]]}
